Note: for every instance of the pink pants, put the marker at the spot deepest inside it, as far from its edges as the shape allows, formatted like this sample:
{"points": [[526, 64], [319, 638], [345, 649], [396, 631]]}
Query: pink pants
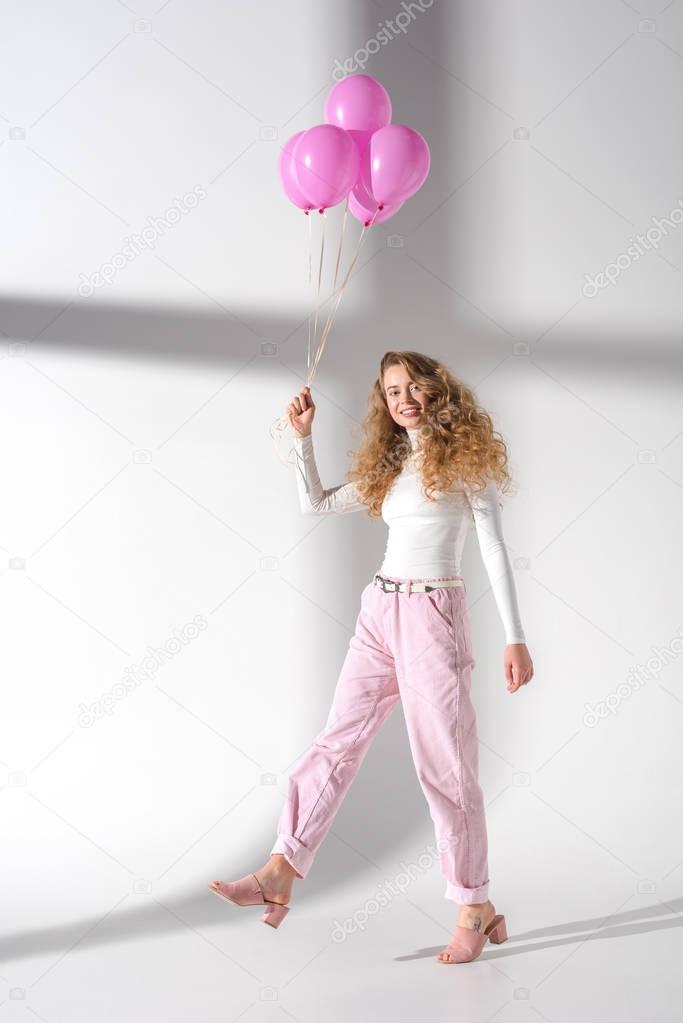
{"points": [[416, 646]]}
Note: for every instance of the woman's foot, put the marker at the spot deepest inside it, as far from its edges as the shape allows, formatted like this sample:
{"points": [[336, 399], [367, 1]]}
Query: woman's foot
{"points": [[476, 917], [275, 879]]}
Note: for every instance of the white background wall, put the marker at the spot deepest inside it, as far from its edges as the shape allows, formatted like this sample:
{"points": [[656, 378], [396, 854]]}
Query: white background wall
{"points": [[142, 487]]}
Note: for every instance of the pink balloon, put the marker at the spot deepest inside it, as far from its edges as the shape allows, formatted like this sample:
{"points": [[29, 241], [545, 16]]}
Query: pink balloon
{"points": [[358, 103], [398, 164], [326, 164], [364, 198], [361, 189], [365, 214], [361, 138], [362, 202], [285, 166]]}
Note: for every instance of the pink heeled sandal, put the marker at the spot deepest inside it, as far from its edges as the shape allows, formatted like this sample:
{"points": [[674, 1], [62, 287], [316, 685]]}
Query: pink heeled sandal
{"points": [[466, 944], [248, 892]]}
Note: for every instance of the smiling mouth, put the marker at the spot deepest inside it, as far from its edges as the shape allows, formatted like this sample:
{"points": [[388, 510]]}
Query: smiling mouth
{"points": [[411, 412]]}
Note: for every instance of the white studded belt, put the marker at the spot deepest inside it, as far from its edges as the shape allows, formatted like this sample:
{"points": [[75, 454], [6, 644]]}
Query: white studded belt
{"points": [[409, 585]]}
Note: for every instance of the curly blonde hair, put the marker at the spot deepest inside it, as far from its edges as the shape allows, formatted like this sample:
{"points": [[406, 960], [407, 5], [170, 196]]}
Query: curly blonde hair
{"points": [[459, 444]]}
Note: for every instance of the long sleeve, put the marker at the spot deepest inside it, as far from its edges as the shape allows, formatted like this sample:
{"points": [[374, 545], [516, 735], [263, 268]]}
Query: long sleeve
{"points": [[489, 526], [312, 498]]}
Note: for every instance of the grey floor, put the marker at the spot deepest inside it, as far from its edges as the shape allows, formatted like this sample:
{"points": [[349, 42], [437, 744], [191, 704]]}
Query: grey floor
{"points": [[363, 949]]}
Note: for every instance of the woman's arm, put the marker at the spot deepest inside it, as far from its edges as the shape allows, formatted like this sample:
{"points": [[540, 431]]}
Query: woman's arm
{"points": [[312, 498], [488, 522]]}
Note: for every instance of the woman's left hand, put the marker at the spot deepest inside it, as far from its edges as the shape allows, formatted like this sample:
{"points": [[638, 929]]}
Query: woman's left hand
{"points": [[519, 668]]}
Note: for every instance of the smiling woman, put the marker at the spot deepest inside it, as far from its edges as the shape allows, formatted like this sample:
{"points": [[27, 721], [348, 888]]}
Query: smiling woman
{"points": [[429, 463], [398, 381], [427, 532], [461, 446]]}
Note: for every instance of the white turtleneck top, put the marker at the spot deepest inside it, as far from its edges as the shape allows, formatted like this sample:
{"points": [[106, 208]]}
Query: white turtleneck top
{"points": [[426, 538]]}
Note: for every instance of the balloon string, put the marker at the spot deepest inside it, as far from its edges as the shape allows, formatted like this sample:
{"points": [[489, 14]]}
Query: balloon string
{"points": [[330, 318], [320, 273], [279, 426], [310, 281], [333, 309], [341, 242], [336, 291]]}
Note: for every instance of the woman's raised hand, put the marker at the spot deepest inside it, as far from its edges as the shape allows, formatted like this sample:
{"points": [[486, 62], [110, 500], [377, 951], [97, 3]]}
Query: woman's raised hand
{"points": [[301, 411]]}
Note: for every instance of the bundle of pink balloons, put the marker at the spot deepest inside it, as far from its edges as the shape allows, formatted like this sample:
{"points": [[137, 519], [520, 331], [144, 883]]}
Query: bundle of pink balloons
{"points": [[357, 153]]}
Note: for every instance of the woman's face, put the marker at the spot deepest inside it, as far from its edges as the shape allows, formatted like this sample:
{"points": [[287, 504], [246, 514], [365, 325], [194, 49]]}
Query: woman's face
{"points": [[405, 400]]}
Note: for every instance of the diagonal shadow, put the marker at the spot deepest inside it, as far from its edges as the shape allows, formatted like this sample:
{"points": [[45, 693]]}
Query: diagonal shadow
{"points": [[647, 920]]}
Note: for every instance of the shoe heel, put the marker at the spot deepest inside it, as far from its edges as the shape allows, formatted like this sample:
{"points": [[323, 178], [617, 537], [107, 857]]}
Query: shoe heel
{"points": [[275, 914], [499, 933]]}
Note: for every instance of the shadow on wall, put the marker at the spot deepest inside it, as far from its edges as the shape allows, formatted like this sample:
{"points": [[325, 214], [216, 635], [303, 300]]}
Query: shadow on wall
{"points": [[228, 339]]}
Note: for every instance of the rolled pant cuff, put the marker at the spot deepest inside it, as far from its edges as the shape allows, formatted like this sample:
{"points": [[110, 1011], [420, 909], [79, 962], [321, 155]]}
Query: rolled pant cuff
{"points": [[466, 896], [296, 854]]}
